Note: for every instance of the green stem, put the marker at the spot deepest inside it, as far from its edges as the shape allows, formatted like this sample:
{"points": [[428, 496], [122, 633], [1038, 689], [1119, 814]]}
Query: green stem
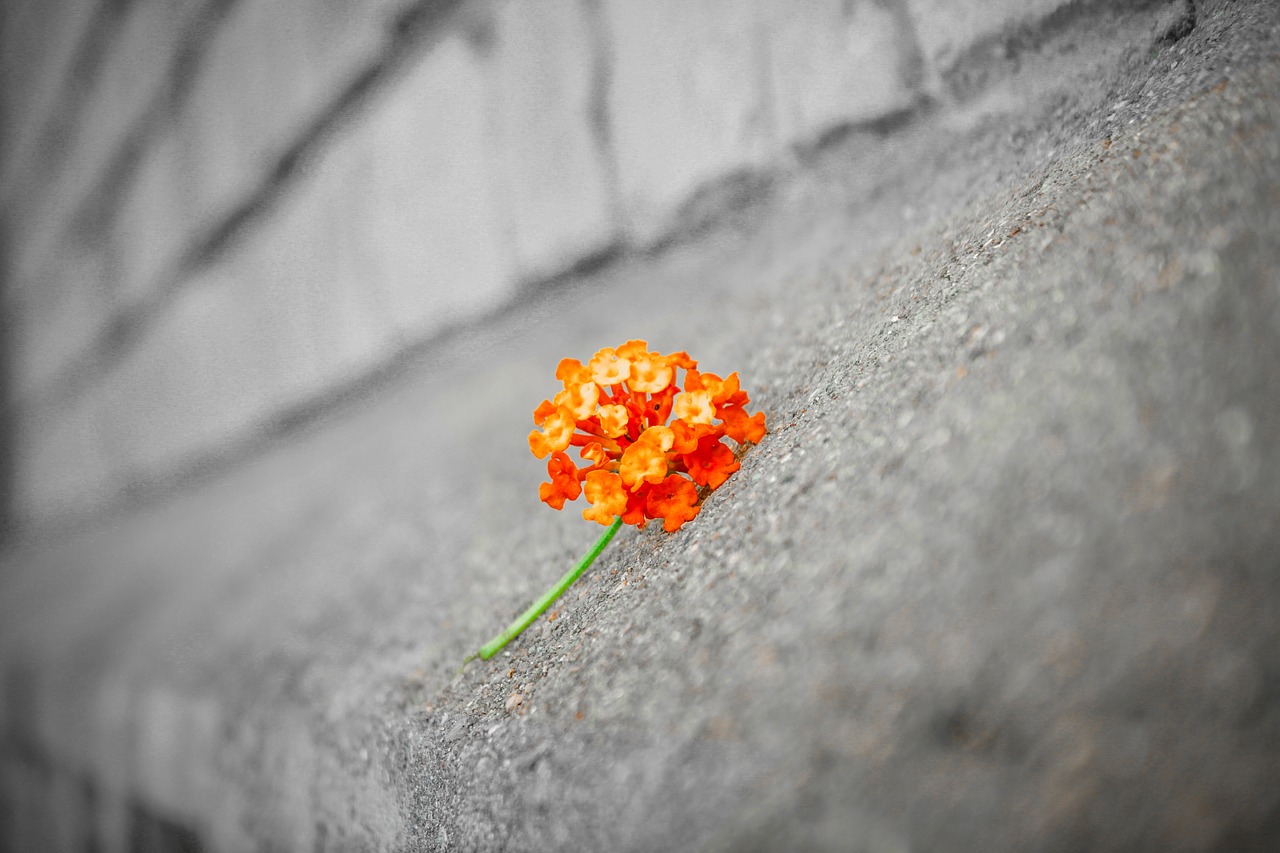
{"points": [[536, 609]]}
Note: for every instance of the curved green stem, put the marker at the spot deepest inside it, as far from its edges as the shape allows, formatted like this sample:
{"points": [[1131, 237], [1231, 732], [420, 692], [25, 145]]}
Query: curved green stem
{"points": [[536, 609]]}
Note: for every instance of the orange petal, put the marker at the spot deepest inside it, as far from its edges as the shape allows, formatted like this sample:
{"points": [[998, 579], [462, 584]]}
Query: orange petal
{"points": [[741, 427], [650, 373], [613, 420], [642, 462], [564, 483], [694, 407], [659, 436], [605, 494], [557, 432], [674, 500], [711, 464], [608, 369], [579, 399], [721, 389], [571, 372], [681, 360], [545, 408], [633, 349]]}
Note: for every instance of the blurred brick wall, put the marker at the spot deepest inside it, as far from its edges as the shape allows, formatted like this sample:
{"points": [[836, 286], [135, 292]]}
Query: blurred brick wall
{"points": [[217, 214]]}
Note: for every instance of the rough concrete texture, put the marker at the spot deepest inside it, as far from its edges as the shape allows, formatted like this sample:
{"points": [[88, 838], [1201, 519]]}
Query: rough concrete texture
{"points": [[1003, 576]]}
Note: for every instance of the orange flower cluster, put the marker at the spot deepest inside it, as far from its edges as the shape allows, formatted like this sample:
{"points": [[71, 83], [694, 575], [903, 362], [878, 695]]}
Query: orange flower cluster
{"points": [[615, 410]]}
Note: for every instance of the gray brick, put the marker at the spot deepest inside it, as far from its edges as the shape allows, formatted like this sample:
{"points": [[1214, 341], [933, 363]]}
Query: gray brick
{"points": [[432, 218], [834, 64], [155, 224], [55, 315], [133, 75], [271, 69], [63, 463], [289, 763], [686, 100], [946, 29], [289, 313], [554, 186], [40, 40], [119, 94], [111, 816], [320, 252], [217, 361]]}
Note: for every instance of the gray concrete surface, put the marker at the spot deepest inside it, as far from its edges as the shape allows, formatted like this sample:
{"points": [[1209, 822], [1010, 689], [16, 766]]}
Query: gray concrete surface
{"points": [[1003, 576]]}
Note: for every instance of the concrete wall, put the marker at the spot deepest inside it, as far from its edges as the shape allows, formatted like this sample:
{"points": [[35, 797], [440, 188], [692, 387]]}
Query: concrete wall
{"points": [[218, 212]]}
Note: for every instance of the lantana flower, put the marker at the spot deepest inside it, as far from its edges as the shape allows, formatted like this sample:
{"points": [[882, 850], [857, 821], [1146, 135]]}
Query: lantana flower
{"points": [[620, 404], [638, 463]]}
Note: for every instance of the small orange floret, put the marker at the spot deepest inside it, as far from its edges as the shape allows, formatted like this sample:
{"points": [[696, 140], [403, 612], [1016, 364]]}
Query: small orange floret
{"points": [[608, 369], [711, 463], [634, 349], [659, 408], [605, 494], [613, 420], [674, 500], [721, 389], [741, 427], [545, 408], [681, 360], [635, 513], [685, 436], [579, 399], [571, 372], [564, 483], [650, 373], [557, 432], [659, 436], [642, 462], [595, 454]]}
